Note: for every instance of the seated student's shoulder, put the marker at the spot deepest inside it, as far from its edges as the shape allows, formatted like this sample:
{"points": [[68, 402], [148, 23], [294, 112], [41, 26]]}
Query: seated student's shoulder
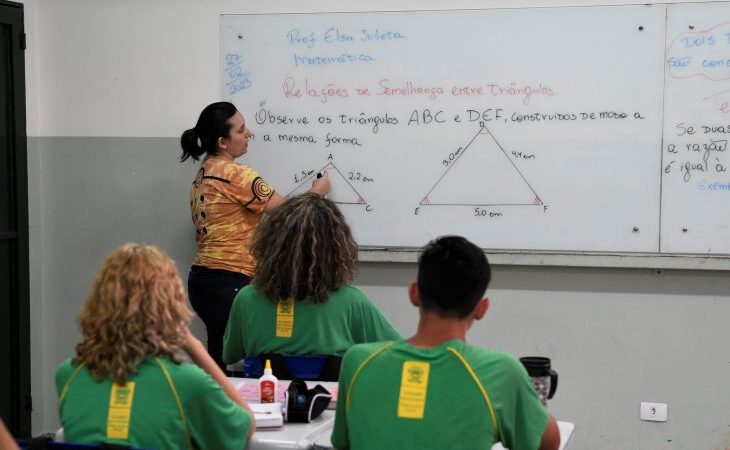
{"points": [[249, 293], [64, 371], [353, 296], [358, 353], [249, 297], [65, 368], [351, 292], [189, 379], [494, 361]]}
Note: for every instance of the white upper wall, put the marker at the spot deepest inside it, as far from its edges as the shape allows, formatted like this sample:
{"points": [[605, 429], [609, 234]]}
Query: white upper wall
{"points": [[147, 67]]}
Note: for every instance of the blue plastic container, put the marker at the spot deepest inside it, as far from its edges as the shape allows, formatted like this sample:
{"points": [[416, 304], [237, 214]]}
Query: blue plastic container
{"points": [[306, 367], [252, 367]]}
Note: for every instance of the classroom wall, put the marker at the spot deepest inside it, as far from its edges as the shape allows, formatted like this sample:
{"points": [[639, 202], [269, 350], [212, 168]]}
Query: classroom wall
{"points": [[112, 84]]}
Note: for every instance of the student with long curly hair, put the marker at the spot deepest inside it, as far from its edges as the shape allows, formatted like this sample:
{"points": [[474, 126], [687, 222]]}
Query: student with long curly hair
{"points": [[301, 301], [127, 383]]}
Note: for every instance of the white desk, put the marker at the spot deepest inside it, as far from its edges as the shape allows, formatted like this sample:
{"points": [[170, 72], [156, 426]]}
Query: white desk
{"points": [[567, 429], [295, 435], [317, 433], [291, 435]]}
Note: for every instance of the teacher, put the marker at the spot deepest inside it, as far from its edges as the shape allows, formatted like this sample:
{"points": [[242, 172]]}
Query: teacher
{"points": [[227, 200]]}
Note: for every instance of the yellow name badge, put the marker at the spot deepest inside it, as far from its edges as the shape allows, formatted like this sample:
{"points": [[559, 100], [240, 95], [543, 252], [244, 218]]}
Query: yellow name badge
{"points": [[413, 387], [284, 318], [120, 411]]}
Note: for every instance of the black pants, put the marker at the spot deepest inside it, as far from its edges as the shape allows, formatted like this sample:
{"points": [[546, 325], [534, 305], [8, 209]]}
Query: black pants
{"points": [[211, 293]]}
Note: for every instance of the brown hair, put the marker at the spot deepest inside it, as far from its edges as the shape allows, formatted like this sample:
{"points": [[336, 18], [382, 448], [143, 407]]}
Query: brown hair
{"points": [[136, 308], [303, 250]]}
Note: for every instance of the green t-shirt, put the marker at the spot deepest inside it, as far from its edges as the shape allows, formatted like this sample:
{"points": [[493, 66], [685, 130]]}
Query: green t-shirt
{"points": [[149, 412], [395, 396], [257, 325]]}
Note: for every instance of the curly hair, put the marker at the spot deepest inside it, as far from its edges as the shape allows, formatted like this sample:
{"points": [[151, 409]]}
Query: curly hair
{"points": [[136, 308], [303, 250]]}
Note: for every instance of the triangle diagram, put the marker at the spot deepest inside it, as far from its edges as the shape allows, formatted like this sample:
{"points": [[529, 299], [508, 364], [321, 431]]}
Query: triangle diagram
{"points": [[482, 174], [341, 191]]}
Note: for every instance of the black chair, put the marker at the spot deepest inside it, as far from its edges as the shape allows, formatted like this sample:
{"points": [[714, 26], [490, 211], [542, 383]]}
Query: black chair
{"points": [[47, 443]]}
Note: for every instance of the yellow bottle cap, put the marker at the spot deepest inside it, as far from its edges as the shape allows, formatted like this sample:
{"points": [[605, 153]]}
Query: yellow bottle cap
{"points": [[268, 364]]}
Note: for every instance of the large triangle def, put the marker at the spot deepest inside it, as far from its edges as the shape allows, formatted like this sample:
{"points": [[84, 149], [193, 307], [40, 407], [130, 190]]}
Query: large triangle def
{"points": [[482, 174]]}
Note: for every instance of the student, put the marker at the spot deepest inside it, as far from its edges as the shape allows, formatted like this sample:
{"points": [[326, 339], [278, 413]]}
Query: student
{"points": [[6, 439], [434, 390], [227, 200], [127, 384], [300, 301]]}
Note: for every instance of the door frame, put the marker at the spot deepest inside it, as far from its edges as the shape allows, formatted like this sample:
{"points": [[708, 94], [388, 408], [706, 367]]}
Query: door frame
{"points": [[19, 421]]}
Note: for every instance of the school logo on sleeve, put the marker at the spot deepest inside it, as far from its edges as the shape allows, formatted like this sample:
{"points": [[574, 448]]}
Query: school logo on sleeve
{"points": [[284, 318], [413, 388], [120, 411], [260, 188]]}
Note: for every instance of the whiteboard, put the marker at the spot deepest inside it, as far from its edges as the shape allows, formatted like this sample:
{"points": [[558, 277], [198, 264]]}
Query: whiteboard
{"points": [[522, 129], [696, 184]]}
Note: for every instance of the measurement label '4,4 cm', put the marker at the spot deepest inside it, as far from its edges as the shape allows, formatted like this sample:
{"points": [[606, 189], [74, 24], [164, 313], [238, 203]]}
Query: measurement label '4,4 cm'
{"points": [[357, 176], [479, 212]]}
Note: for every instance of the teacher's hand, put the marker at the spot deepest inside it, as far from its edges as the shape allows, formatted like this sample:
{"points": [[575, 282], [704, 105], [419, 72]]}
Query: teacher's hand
{"points": [[321, 185]]}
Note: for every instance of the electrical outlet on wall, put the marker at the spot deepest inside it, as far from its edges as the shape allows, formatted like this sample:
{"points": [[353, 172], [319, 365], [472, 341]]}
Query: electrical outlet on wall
{"points": [[653, 412]]}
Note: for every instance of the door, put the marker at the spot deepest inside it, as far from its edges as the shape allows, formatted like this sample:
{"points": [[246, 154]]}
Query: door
{"points": [[14, 278]]}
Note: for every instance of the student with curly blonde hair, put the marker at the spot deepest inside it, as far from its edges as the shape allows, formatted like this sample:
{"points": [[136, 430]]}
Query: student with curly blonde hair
{"points": [[127, 383], [301, 301]]}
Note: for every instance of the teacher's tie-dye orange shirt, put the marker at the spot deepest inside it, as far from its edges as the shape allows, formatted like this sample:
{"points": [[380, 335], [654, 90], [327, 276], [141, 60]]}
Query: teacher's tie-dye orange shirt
{"points": [[226, 201]]}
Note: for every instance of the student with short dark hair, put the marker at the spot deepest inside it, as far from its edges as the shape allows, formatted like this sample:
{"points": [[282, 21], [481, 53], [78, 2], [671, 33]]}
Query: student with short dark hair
{"points": [[434, 390]]}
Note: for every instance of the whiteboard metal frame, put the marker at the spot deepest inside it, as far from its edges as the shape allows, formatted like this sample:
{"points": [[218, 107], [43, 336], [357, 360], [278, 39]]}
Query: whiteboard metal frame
{"points": [[564, 259]]}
